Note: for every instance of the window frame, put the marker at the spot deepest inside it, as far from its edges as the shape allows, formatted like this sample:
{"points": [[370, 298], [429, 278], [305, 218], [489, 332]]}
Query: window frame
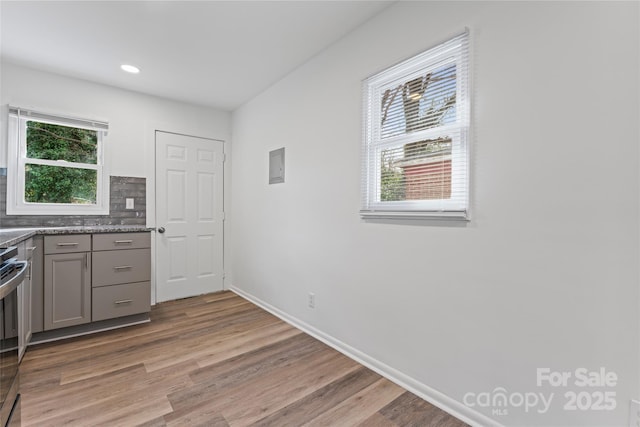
{"points": [[17, 161], [453, 51]]}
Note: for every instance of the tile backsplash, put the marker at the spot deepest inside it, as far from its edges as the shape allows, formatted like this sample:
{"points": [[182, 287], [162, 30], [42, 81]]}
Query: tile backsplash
{"points": [[121, 188]]}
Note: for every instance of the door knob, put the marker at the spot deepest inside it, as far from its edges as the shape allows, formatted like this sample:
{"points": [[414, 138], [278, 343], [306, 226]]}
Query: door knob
{"points": [[161, 230]]}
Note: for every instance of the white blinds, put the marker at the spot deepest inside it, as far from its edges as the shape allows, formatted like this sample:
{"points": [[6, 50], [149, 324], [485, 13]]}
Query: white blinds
{"points": [[415, 150], [27, 114]]}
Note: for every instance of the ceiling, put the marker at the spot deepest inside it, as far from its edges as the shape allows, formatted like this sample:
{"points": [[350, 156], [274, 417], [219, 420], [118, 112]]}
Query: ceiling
{"points": [[213, 53]]}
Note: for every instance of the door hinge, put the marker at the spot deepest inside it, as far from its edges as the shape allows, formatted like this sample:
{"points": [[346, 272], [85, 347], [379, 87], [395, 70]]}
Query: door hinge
{"points": [[224, 157], [224, 216]]}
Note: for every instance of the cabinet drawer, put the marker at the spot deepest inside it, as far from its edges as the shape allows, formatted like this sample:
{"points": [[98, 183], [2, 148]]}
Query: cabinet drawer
{"points": [[115, 241], [115, 267], [67, 243], [120, 300]]}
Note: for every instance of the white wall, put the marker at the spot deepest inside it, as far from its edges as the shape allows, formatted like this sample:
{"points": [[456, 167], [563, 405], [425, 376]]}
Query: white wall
{"points": [[130, 114], [544, 275], [133, 119]]}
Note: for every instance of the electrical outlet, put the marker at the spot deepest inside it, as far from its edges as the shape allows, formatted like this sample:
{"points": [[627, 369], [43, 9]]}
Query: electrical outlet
{"points": [[128, 203], [312, 300], [634, 414]]}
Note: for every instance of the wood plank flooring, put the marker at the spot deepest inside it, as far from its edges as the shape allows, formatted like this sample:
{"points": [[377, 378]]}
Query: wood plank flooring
{"points": [[213, 360]]}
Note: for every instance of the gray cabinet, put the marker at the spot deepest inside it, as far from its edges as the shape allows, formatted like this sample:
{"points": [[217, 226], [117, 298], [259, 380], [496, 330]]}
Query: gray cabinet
{"points": [[120, 300], [121, 275], [117, 267], [67, 281], [119, 241], [67, 243], [25, 252], [82, 278], [37, 288]]}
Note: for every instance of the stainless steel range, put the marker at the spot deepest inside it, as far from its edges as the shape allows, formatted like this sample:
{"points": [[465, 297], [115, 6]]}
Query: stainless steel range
{"points": [[11, 275]]}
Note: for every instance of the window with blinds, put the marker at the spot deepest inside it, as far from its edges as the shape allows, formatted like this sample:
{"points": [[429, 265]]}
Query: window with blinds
{"points": [[56, 165], [416, 125]]}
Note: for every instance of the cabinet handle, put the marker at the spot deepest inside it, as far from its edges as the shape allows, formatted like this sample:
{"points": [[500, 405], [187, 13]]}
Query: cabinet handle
{"points": [[86, 260], [123, 301], [123, 267], [117, 242], [67, 244]]}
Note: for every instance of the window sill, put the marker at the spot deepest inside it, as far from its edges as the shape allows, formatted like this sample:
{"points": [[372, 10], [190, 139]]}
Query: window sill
{"points": [[424, 215], [54, 209]]}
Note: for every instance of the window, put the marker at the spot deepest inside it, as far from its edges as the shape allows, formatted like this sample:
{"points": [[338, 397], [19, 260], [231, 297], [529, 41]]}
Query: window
{"points": [[416, 117], [56, 165]]}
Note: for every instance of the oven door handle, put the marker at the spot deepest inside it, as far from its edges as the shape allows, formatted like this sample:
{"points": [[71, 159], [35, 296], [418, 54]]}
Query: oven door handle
{"points": [[12, 284]]}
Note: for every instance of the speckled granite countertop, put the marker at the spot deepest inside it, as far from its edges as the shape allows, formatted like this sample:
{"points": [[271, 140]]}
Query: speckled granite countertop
{"points": [[13, 236]]}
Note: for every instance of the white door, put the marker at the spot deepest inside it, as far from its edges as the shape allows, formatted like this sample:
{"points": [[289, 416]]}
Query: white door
{"points": [[189, 215]]}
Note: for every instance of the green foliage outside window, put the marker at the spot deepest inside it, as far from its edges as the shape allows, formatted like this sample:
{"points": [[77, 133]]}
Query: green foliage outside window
{"points": [[391, 179], [60, 184]]}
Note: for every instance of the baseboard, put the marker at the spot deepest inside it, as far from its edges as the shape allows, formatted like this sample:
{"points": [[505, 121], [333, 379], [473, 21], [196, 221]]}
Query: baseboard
{"points": [[88, 328], [436, 398]]}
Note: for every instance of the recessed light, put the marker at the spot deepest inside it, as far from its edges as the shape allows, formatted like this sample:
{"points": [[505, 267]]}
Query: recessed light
{"points": [[130, 68]]}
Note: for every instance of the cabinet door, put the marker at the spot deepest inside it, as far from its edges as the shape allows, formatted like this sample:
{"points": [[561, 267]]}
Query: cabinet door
{"points": [[24, 313], [67, 290], [22, 346], [37, 287], [26, 302]]}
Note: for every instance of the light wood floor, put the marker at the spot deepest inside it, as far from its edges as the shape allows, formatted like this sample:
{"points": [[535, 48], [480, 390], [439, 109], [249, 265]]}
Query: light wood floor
{"points": [[214, 360]]}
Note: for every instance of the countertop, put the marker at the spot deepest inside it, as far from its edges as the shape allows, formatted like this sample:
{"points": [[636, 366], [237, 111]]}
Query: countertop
{"points": [[13, 236]]}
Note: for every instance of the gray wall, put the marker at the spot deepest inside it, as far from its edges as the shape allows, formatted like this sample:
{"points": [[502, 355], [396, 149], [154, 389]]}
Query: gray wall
{"points": [[121, 187]]}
